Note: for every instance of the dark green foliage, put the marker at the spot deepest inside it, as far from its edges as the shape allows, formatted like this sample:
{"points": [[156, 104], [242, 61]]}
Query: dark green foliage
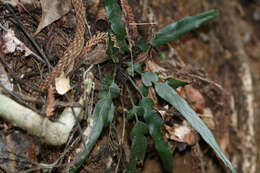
{"points": [[104, 108], [175, 30], [102, 115], [143, 45], [136, 110], [117, 26], [154, 122], [138, 146], [176, 83]]}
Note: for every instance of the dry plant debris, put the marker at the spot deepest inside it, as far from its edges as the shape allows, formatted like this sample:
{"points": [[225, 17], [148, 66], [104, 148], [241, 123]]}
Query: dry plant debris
{"points": [[11, 44]]}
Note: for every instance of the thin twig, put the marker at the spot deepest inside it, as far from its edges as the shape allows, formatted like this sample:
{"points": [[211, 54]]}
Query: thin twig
{"points": [[88, 27], [144, 23], [20, 25], [78, 124], [68, 104], [123, 136], [210, 82]]}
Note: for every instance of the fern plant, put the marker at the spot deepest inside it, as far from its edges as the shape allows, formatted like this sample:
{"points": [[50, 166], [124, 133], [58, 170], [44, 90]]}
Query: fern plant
{"points": [[147, 120]]}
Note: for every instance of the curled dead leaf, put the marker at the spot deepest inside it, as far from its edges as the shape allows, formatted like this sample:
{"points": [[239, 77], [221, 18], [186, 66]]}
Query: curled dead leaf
{"points": [[155, 67], [52, 10], [62, 84], [11, 43], [182, 133]]}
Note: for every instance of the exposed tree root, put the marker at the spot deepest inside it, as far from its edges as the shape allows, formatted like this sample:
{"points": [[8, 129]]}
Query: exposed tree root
{"points": [[53, 133]]}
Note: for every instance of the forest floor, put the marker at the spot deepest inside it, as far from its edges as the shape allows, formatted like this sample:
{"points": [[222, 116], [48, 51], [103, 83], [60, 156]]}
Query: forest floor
{"points": [[220, 60]]}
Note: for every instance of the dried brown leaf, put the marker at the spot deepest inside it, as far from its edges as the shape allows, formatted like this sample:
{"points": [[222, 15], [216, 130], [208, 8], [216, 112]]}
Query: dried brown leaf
{"points": [[97, 55], [155, 67], [152, 95], [182, 133], [52, 10], [100, 38], [11, 43], [141, 57], [62, 84]]}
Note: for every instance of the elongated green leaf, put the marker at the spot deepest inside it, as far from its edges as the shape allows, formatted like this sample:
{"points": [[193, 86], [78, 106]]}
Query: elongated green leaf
{"points": [[113, 11], [100, 119], [173, 31], [102, 115], [138, 146], [176, 83], [154, 122], [168, 94]]}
